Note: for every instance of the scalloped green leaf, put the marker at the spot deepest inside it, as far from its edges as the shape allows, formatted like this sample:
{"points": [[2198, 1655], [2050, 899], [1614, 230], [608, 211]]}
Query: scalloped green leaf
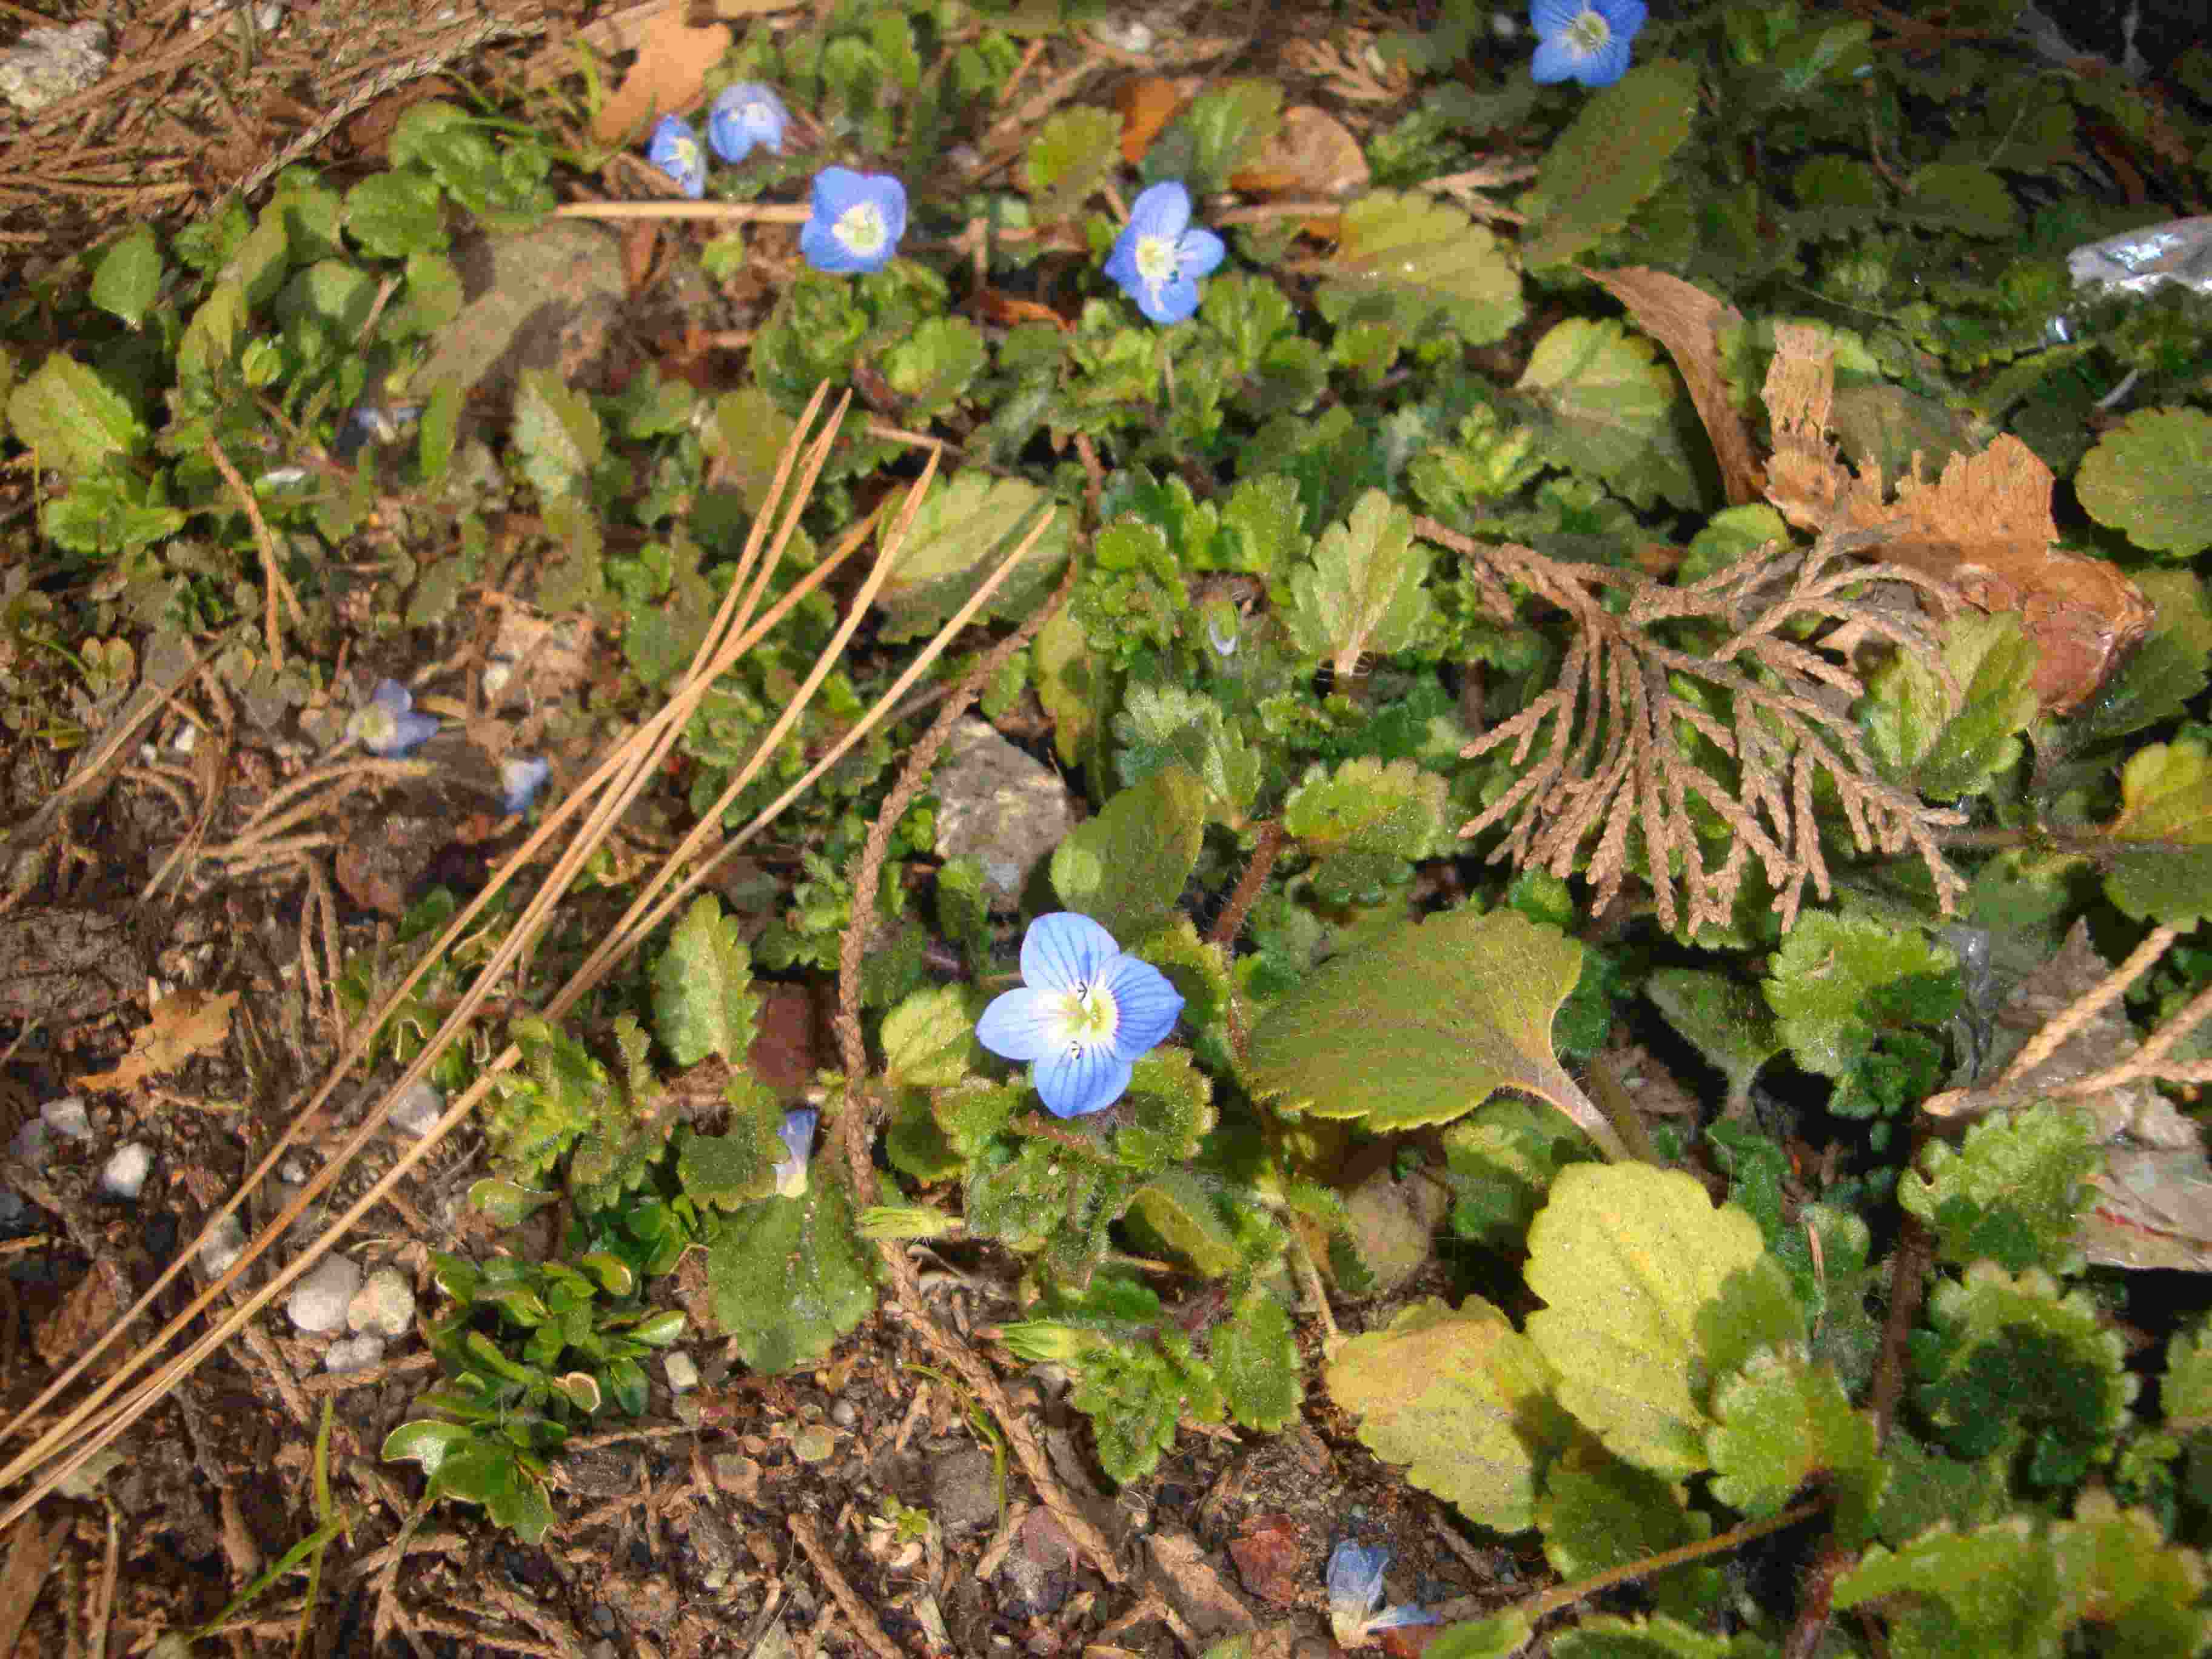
{"points": [[1368, 805], [703, 1001], [1945, 746], [1724, 1019], [1408, 259], [1256, 1360], [1164, 725], [1071, 155], [2127, 1578], [2150, 478], [1498, 1637], [1166, 1111], [1972, 200], [1602, 403], [74, 420], [788, 1276], [1598, 1513], [126, 277], [2185, 1392], [556, 433], [1826, 972], [1990, 1590], [1650, 1293], [929, 1040], [1605, 1635], [963, 527], [1459, 1397], [1069, 683], [2011, 1190], [2166, 792], [1783, 1420], [1125, 868], [1364, 589], [1500, 1160], [1613, 155], [934, 365], [1422, 1024]]}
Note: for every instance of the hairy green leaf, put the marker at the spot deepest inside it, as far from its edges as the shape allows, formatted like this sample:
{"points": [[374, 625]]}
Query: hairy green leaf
{"points": [[557, 432], [1783, 1420], [1598, 1513], [1126, 867], [1603, 403], [1945, 746], [1364, 590], [703, 1001], [1405, 260], [1826, 971], [2011, 1190], [74, 420], [2150, 477], [788, 1276], [962, 531], [1612, 156]]}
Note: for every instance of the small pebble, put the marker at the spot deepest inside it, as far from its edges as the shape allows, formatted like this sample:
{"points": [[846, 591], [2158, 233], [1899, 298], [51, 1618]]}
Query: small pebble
{"points": [[226, 1242], [49, 64], [67, 1116], [318, 1303], [681, 1369], [417, 1108], [354, 1353], [124, 1176], [384, 1306], [844, 1413]]}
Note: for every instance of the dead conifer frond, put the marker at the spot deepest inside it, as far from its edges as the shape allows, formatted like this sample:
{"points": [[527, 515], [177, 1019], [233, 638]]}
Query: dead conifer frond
{"points": [[1638, 740]]}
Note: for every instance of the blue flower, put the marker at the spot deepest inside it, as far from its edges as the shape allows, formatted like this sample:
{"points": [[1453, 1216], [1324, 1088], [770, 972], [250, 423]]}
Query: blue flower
{"points": [[745, 115], [1585, 41], [387, 725], [1157, 259], [858, 218], [1355, 1590], [1084, 1013], [520, 778], [675, 151], [797, 1136]]}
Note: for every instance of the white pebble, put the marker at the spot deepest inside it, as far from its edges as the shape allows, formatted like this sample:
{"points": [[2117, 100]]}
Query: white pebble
{"points": [[226, 1242], [124, 1175], [67, 1116], [417, 1108], [354, 1353], [318, 1303], [384, 1306], [681, 1369]]}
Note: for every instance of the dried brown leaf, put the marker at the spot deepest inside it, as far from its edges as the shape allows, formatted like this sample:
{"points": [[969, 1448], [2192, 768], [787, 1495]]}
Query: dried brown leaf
{"points": [[1687, 321], [669, 75], [185, 1024], [1312, 153]]}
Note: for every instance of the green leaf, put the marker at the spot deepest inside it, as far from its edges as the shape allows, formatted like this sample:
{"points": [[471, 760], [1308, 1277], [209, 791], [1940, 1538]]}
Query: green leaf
{"points": [[1222, 131], [1783, 1420], [1498, 1637], [1826, 971], [961, 531], [1989, 1591], [1366, 805], [1072, 154], [1927, 1487], [789, 1276], [1501, 1159], [934, 365], [738, 1167], [74, 420], [1424, 1024], [2161, 674], [1125, 868], [1724, 1019], [557, 432], [1945, 744], [2186, 1394], [1602, 1636], [1461, 1399], [332, 293], [1255, 1359], [1068, 683], [2127, 1579], [2150, 478], [1603, 403], [2011, 1191], [2165, 793], [1651, 1293], [1974, 201], [1364, 590], [703, 1001], [1410, 260], [1598, 1513], [126, 279], [1612, 156], [1166, 1111], [1165, 725], [929, 1040], [397, 213]]}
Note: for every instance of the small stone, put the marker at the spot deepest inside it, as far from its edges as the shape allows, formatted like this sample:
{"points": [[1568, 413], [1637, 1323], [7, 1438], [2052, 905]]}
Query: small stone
{"points": [[963, 1491], [417, 1108], [998, 806], [226, 1242], [681, 1369], [384, 1306], [47, 66], [124, 1176], [67, 1116], [844, 1413], [815, 1443], [319, 1302], [354, 1353]]}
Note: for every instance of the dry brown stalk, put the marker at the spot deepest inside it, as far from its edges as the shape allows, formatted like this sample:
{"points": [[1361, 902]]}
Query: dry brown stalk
{"points": [[1638, 740]]}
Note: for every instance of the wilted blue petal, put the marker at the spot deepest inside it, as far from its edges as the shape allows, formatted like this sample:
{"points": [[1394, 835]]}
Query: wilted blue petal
{"points": [[520, 778], [744, 116], [388, 725], [1024, 1024], [1081, 1077], [797, 1133], [1393, 1617], [1355, 1579], [1144, 1002], [674, 150], [1065, 952]]}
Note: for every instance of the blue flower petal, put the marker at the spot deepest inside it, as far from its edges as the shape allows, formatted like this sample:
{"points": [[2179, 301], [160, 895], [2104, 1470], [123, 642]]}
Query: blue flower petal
{"points": [[1554, 60], [1024, 1024], [1355, 1578], [1163, 210], [1393, 1617], [1076, 1080], [837, 192], [1173, 302], [674, 150], [1145, 1006], [520, 778], [1064, 952], [797, 1133], [1200, 253], [1551, 17], [744, 116], [1604, 65]]}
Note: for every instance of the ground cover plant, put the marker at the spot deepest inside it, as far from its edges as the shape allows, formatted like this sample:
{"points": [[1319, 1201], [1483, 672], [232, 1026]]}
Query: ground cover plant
{"points": [[1592, 910]]}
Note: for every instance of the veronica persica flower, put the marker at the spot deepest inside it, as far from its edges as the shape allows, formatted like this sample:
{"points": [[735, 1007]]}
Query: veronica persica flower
{"points": [[746, 116], [1158, 258], [1584, 41], [1355, 1593], [798, 1137], [675, 150], [388, 725], [1084, 1013], [520, 778], [858, 218]]}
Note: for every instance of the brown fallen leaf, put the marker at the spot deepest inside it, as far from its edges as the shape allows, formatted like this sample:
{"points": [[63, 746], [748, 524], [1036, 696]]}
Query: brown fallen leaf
{"points": [[1312, 153], [184, 1024], [1985, 527], [1687, 321], [87, 1310], [669, 75], [1146, 105], [1271, 1558]]}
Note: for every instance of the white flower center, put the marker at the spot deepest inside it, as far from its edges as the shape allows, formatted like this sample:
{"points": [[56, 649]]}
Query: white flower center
{"points": [[375, 727], [1088, 1017], [1156, 259], [684, 154], [1589, 33], [862, 228]]}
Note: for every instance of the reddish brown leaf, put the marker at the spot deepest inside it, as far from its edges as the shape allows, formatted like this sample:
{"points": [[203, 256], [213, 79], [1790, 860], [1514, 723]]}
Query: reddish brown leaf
{"points": [[1145, 105], [1312, 153], [669, 75], [185, 1024], [1687, 321], [1008, 310], [1270, 1555]]}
